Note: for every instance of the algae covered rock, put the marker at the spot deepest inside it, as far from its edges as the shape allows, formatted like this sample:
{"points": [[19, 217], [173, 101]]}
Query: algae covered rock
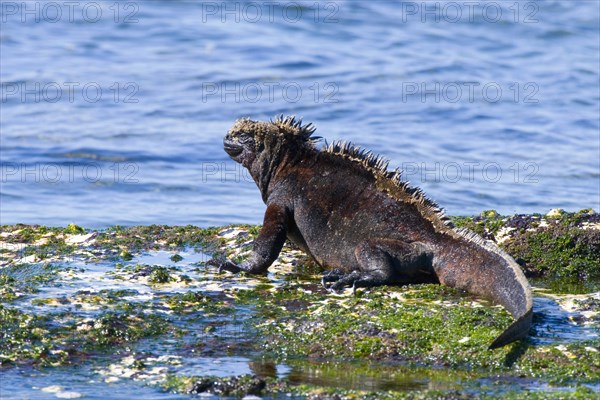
{"points": [[556, 245], [159, 315]]}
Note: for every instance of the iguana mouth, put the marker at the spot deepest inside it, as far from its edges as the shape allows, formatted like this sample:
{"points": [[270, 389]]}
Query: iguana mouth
{"points": [[232, 149]]}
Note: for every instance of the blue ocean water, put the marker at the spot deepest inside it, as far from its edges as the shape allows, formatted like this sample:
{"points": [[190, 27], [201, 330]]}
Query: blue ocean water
{"points": [[114, 112]]}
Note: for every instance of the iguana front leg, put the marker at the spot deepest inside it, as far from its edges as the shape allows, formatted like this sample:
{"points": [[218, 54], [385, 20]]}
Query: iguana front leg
{"points": [[267, 245]]}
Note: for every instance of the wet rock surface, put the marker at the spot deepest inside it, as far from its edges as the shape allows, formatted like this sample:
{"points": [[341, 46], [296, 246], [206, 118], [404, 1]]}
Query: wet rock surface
{"points": [[139, 306]]}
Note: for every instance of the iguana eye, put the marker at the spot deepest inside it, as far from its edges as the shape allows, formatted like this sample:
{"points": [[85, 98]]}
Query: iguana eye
{"points": [[244, 138]]}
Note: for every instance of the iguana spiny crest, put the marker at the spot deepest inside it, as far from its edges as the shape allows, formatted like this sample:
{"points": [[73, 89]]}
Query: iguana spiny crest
{"points": [[271, 141]]}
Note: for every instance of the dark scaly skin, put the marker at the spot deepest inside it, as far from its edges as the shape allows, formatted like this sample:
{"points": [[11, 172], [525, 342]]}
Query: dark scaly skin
{"points": [[353, 218]]}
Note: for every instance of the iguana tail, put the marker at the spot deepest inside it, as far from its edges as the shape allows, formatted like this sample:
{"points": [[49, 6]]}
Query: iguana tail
{"points": [[517, 330], [482, 268]]}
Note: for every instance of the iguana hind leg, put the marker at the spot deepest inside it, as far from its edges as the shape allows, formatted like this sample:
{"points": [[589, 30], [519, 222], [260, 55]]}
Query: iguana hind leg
{"points": [[387, 261], [333, 275]]}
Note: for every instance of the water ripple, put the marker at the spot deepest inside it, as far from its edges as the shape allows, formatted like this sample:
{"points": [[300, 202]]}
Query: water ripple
{"points": [[368, 73]]}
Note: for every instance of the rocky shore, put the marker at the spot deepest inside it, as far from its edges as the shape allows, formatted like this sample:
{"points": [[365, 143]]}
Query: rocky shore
{"points": [[139, 304]]}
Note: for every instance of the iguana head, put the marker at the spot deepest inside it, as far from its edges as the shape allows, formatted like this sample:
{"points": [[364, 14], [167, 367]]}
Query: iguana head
{"points": [[261, 146], [248, 140], [242, 142]]}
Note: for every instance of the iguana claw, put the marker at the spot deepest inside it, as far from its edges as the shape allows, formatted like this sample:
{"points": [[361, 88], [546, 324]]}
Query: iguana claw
{"points": [[224, 265], [331, 276]]}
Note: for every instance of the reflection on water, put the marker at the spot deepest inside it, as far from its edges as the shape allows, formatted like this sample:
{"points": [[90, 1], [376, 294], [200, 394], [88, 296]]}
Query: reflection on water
{"points": [[21, 383], [552, 324]]}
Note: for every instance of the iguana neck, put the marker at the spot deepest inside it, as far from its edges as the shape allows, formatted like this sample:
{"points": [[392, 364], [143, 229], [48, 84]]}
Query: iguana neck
{"points": [[267, 170]]}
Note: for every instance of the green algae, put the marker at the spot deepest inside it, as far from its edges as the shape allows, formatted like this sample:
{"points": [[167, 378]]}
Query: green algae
{"points": [[17, 280], [7, 288], [155, 237], [115, 242], [176, 258], [560, 245], [112, 328], [194, 302], [289, 316], [574, 362], [155, 274], [126, 255], [34, 243], [379, 325], [395, 325], [561, 252], [72, 228], [21, 233], [160, 274], [487, 224], [580, 393], [26, 338], [399, 325]]}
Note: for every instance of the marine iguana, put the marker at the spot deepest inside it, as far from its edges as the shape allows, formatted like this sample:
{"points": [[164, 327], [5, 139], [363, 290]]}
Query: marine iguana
{"points": [[342, 206]]}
